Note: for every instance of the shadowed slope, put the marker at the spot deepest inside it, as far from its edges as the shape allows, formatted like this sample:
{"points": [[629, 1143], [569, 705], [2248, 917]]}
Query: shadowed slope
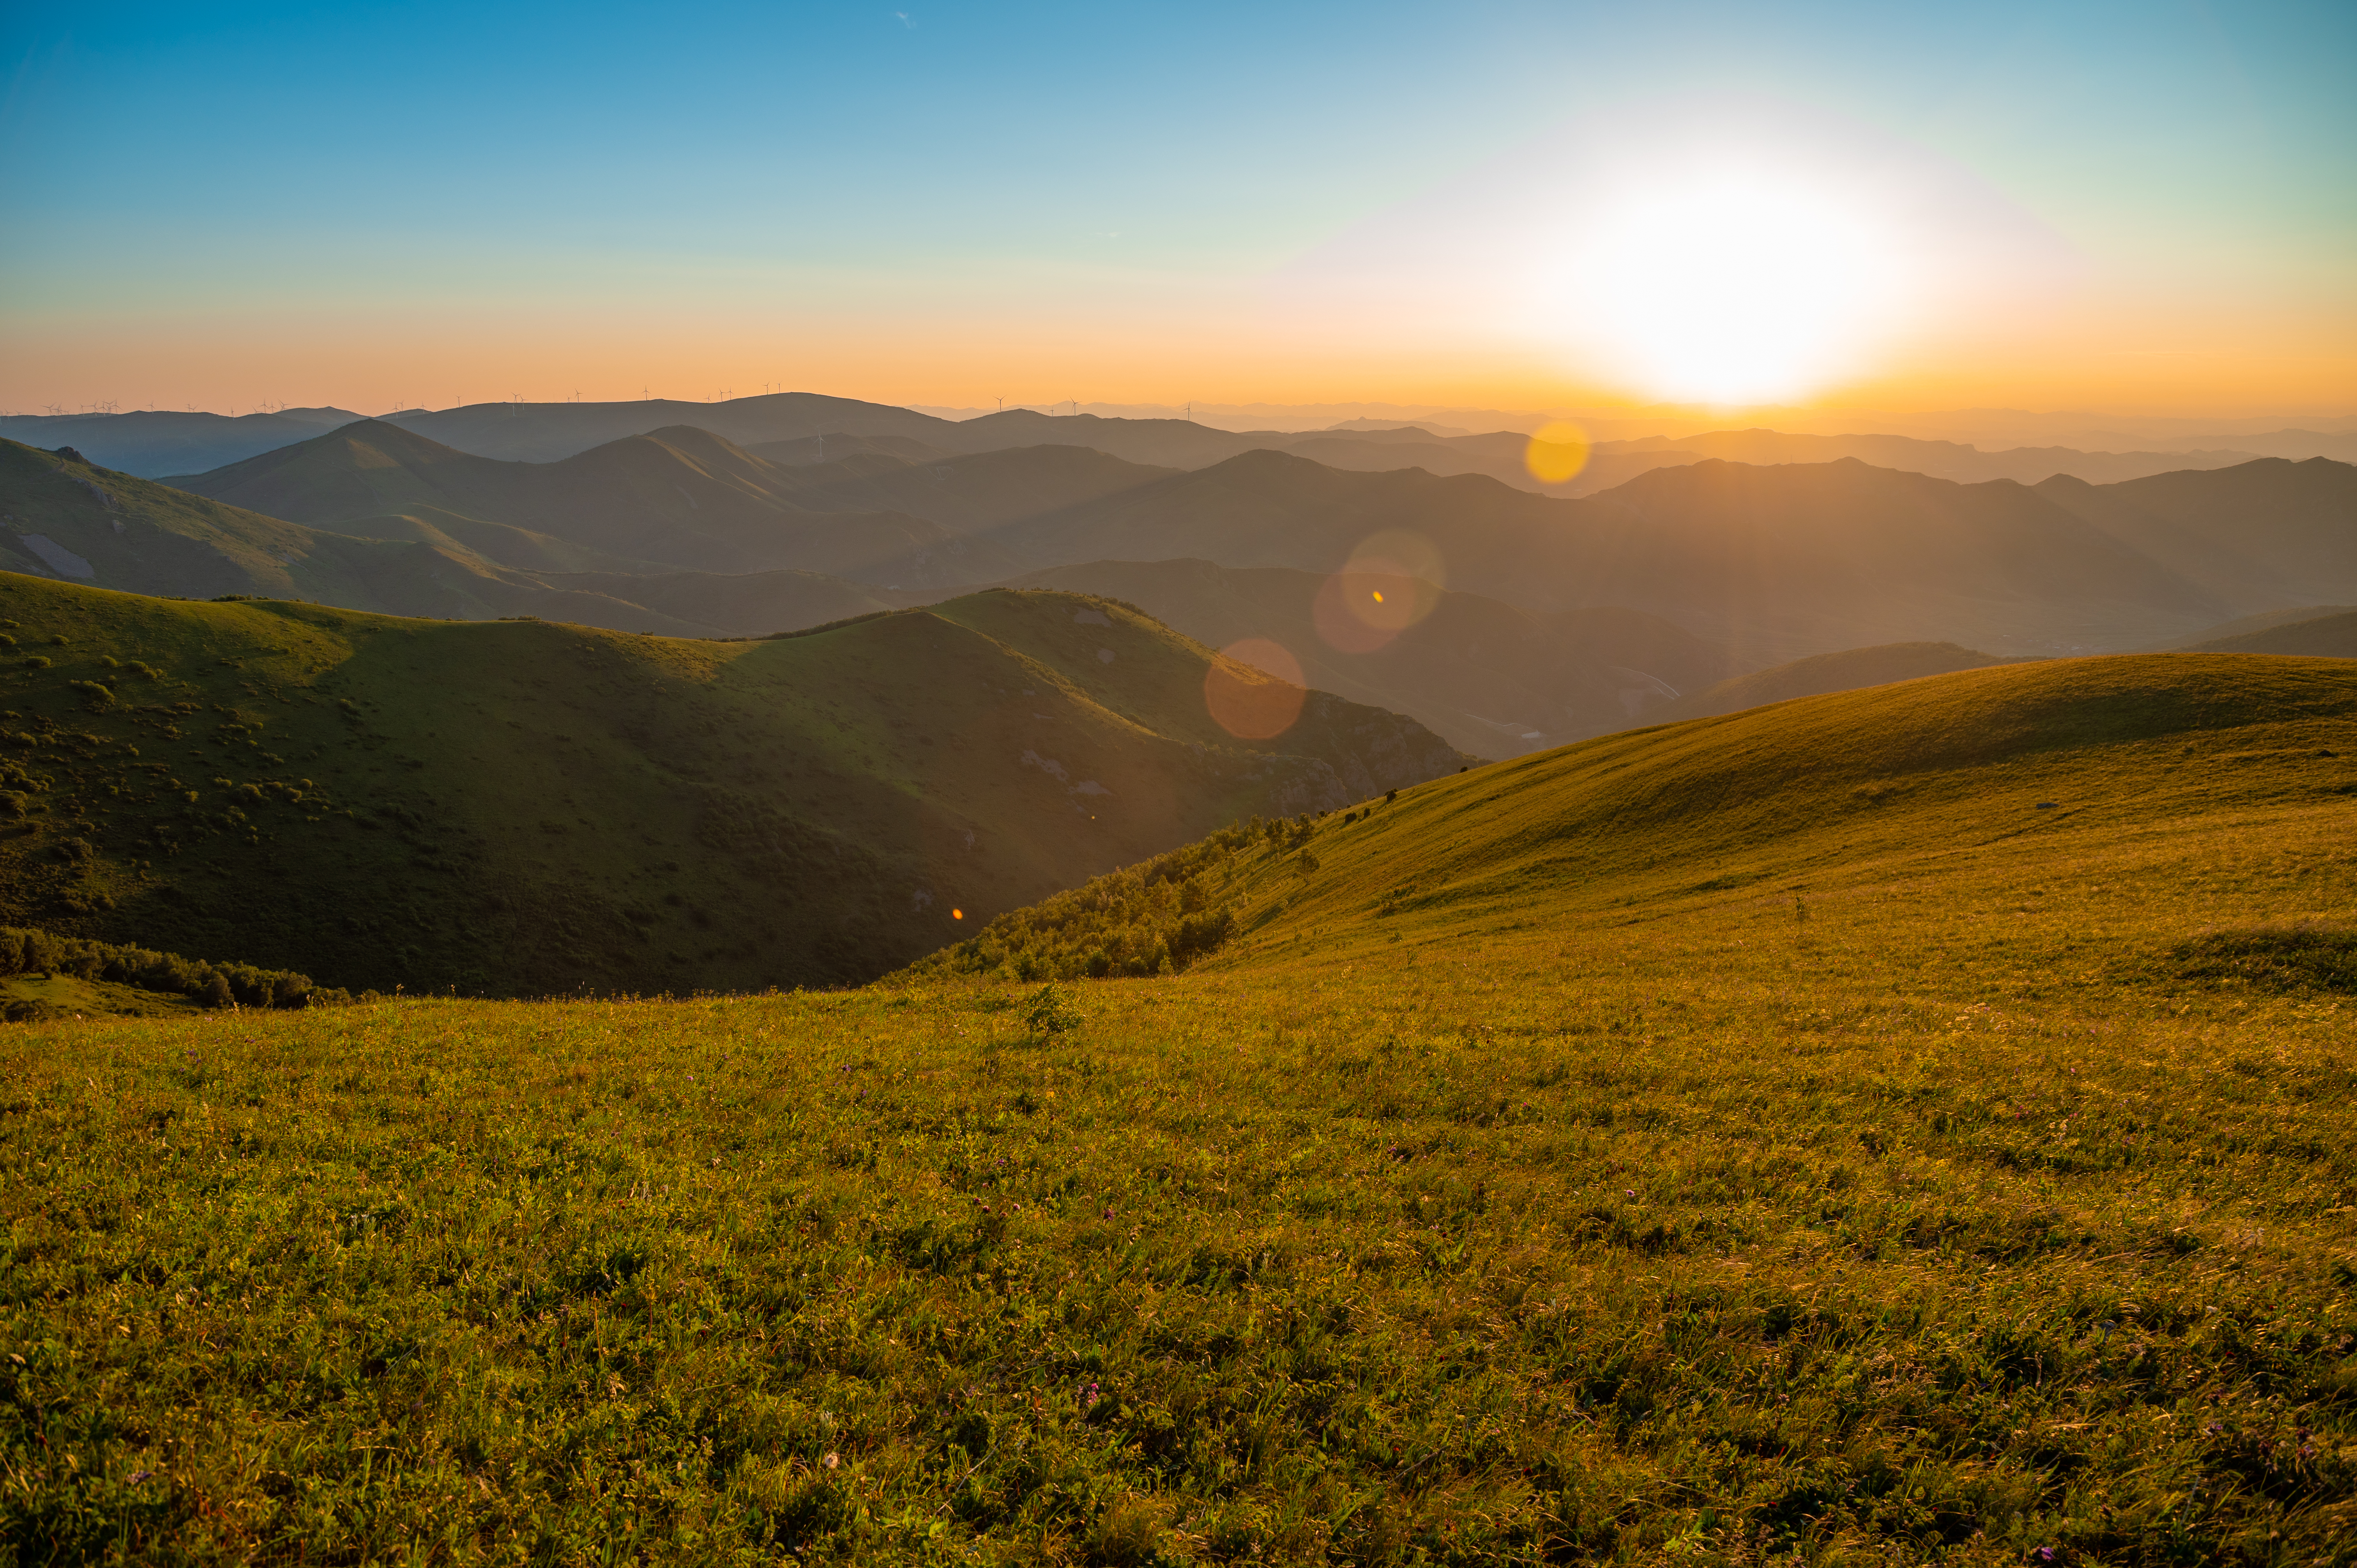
{"points": [[1493, 679], [1776, 563], [2263, 535], [2324, 637], [529, 807]]}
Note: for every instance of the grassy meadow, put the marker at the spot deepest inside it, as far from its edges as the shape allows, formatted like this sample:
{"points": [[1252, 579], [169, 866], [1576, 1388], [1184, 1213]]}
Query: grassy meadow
{"points": [[1905, 1125]]}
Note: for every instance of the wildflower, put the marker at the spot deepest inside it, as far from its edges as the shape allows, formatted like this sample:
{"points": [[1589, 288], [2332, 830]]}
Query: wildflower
{"points": [[139, 1476], [833, 1460]]}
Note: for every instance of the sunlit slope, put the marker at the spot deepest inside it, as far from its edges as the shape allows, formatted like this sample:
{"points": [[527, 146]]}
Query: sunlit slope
{"points": [[2099, 782], [2009, 761], [525, 807], [1843, 671]]}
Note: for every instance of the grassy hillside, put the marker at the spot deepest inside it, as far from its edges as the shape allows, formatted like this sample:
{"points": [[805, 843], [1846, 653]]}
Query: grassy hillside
{"points": [[1843, 671], [531, 807], [1769, 1136], [1491, 679], [2327, 636]]}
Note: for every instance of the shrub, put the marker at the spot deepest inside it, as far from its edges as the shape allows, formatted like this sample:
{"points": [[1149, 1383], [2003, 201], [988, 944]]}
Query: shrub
{"points": [[216, 985], [1052, 1012], [1153, 919]]}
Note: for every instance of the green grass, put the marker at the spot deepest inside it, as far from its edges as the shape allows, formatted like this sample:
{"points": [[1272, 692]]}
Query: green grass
{"points": [[531, 808], [1589, 1159]]}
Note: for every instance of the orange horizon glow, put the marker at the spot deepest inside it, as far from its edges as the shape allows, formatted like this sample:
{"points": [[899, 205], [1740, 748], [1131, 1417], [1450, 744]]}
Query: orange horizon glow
{"points": [[2224, 367]]}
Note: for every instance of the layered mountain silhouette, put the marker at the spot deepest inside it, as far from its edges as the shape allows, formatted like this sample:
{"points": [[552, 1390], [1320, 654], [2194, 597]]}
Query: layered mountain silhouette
{"points": [[1773, 563], [1494, 679], [1769, 563], [2315, 637], [151, 441], [2258, 535], [681, 499]]}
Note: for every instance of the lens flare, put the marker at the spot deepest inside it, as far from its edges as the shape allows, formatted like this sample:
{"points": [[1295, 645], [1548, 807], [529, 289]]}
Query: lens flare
{"points": [[1254, 689], [1557, 453], [1391, 581]]}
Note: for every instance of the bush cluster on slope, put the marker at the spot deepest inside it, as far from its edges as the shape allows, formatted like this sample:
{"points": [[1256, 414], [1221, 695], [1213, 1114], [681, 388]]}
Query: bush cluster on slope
{"points": [[1154, 918], [213, 984]]}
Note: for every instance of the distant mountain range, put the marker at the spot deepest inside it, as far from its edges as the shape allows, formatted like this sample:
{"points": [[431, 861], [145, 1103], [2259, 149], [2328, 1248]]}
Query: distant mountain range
{"points": [[795, 427], [682, 532]]}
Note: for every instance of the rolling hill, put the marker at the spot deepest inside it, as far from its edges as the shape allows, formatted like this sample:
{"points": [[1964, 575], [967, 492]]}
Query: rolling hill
{"points": [[1492, 680], [548, 432], [70, 521], [527, 807], [1772, 563], [1976, 775], [2263, 535], [678, 500], [2332, 635], [968, 494], [1844, 671], [150, 442], [1895, 1125]]}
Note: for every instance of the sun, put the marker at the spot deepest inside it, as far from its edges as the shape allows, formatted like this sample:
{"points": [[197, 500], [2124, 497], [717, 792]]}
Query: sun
{"points": [[1729, 288]]}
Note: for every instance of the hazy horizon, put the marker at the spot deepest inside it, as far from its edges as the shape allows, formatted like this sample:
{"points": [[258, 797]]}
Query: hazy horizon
{"points": [[1518, 208]]}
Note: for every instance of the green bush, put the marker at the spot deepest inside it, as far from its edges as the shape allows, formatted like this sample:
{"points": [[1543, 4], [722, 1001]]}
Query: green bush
{"points": [[216, 985], [1156, 918], [1052, 1012]]}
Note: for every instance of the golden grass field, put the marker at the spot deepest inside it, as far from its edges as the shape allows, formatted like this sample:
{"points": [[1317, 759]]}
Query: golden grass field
{"points": [[1905, 1125]]}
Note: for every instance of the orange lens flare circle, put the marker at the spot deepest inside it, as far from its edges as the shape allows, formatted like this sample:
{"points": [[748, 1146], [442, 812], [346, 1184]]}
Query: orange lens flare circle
{"points": [[1254, 689], [1557, 453], [1392, 581]]}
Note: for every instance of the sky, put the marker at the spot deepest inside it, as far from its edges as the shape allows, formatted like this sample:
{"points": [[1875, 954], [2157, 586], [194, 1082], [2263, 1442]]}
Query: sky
{"points": [[2145, 208]]}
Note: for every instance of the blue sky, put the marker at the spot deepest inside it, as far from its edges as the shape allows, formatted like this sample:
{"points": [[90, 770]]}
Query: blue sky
{"points": [[190, 174]]}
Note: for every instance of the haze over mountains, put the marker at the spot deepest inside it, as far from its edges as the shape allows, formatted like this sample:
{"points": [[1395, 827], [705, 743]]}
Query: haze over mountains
{"points": [[1560, 616], [804, 426]]}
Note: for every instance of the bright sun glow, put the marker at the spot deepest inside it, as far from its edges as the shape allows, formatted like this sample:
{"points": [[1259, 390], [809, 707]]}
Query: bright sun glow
{"points": [[1729, 289]]}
